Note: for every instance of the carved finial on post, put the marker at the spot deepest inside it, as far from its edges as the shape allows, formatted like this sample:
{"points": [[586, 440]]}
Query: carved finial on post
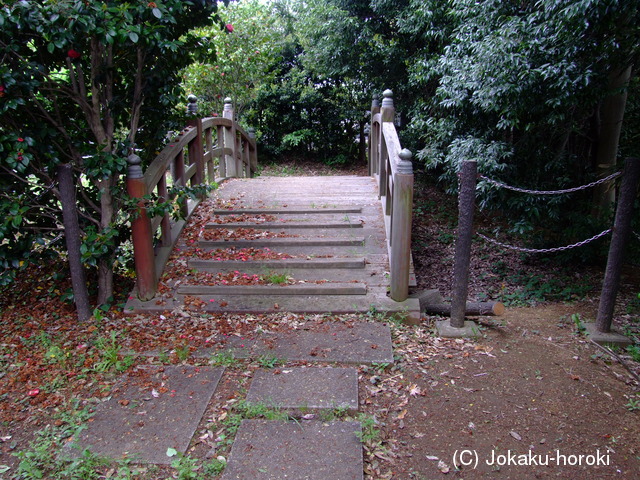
{"points": [[135, 168], [405, 165], [192, 106], [375, 103], [388, 110], [227, 111]]}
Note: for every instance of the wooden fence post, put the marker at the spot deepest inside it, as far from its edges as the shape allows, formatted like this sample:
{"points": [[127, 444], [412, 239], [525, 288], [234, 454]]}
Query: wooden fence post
{"points": [[466, 207], [619, 240], [229, 135], [400, 261], [196, 152], [141, 234], [374, 134]]}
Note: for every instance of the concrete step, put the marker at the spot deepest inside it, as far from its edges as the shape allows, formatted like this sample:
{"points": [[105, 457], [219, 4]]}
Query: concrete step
{"points": [[350, 342], [285, 263], [284, 242], [302, 390], [306, 450], [277, 226], [306, 289], [157, 408]]}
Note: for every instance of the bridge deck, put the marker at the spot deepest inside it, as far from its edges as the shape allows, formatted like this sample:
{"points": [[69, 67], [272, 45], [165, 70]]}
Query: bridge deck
{"points": [[268, 244]]}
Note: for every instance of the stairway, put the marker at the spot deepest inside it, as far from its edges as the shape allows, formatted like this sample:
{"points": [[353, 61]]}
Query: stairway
{"points": [[294, 244]]}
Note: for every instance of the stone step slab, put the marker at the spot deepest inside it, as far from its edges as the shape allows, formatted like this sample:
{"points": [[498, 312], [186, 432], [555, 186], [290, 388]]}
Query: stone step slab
{"points": [[285, 263], [352, 343], [283, 242], [284, 226], [306, 450], [305, 289], [376, 299], [156, 409], [303, 389]]}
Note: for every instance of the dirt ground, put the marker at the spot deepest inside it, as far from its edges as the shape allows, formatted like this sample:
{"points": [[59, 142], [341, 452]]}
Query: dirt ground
{"points": [[529, 386], [530, 390]]}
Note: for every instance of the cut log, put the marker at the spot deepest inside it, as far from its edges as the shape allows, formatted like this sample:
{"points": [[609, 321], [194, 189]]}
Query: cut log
{"points": [[473, 309]]}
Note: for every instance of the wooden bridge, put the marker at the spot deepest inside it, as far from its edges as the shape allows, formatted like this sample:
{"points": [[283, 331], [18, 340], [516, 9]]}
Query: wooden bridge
{"points": [[265, 244]]}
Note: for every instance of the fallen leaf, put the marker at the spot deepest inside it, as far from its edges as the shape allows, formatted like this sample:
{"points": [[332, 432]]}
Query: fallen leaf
{"points": [[443, 467], [515, 435], [415, 390]]}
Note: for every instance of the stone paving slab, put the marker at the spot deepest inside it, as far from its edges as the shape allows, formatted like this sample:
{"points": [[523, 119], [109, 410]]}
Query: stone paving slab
{"points": [[152, 411], [376, 298], [302, 388], [274, 450], [357, 343]]}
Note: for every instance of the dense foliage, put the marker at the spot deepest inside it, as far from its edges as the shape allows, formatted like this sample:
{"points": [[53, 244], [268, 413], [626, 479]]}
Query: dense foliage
{"points": [[533, 91], [81, 84]]}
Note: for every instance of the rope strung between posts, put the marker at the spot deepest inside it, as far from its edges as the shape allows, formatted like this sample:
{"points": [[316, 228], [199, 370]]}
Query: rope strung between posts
{"points": [[551, 192], [545, 250]]}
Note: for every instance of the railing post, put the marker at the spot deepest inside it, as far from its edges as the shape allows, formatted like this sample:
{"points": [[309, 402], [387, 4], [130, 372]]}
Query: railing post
{"points": [[141, 234], [196, 151], [400, 237], [388, 110], [230, 139], [387, 114], [466, 207], [374, 134], [208, 137], [253, 153], [619, 239]]}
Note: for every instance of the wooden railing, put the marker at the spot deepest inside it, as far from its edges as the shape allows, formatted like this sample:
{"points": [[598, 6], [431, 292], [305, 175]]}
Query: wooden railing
{"points": [[391, 166], [190, 159]]}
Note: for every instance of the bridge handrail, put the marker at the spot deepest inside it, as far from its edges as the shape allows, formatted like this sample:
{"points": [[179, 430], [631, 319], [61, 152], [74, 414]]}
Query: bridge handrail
{"points": [[391, 166], [237, 157]]}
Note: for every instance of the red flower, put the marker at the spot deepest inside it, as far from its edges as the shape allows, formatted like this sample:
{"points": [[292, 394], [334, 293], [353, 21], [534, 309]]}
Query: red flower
{"points": [[20, 139], [73, 53], [229, 27], [33, 392], [1, 91]]}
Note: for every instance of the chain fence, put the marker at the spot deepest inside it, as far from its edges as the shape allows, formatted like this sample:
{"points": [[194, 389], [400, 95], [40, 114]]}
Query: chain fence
{"points": [[545, 250], [551, 192]]}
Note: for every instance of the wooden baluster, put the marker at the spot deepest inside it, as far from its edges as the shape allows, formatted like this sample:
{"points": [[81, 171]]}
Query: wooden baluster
{"points": [[253, 153], [374, 134], [165, 224], [180, 180], [230, 139], [141, 234], [222, 161], [196, 153]]}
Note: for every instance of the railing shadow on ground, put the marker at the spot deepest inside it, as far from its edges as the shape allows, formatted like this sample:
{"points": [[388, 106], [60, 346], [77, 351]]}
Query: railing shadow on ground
{"points": [[191, 159]]}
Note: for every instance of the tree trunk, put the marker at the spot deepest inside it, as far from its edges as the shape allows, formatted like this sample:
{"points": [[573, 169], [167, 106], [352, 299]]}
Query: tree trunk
{"points": [[72, 237], [611, 114], [105, 272]]}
